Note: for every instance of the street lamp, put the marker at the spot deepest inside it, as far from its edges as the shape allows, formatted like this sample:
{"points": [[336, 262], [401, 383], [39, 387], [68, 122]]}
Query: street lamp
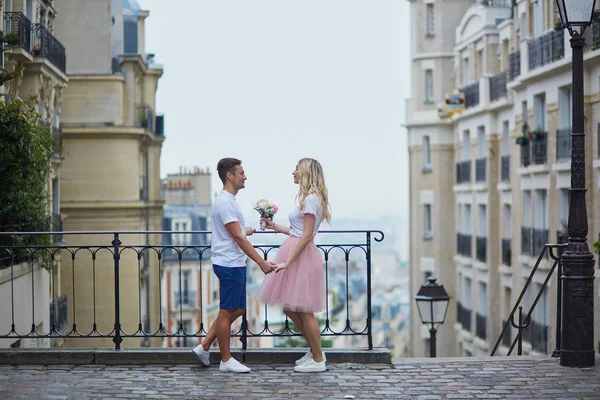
{"points": [[432, 303], [577, 330]]}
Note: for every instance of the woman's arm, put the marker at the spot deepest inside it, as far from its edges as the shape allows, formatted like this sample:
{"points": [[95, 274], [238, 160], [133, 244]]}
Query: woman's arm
{"points": [[281, 229], [305, 239]]}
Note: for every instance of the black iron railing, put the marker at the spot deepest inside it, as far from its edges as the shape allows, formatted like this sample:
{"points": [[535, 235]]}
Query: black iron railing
{"points": [[526, 246], [505, 168], [471, 94], [527, 329], [514, 65], [463, 316], [144, 117], [481, 248], [481, 326], [563, 144], [496, 3], [498, 86], [598, 138], [540, 238], [463, 172], [17, 29], [44, 44], [480, 169], [546, 49], [115, 263], [506, 252], [525, 152], [539, 148], [463, 244]]}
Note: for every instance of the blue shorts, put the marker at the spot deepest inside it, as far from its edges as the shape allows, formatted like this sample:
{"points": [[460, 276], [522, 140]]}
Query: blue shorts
{"points": [[233, 287]]}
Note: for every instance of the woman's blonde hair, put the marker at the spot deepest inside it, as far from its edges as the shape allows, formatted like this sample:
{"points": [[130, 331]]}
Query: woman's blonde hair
{"points": [[312, 181]]}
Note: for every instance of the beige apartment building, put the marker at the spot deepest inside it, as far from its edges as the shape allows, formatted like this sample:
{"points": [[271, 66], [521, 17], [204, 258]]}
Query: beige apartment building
{"points": [[40, 57], [486, 192], [110, 176]]}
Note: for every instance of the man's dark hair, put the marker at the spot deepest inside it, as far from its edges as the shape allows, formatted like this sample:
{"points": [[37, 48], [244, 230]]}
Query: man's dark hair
{"points": [[226, 165]]}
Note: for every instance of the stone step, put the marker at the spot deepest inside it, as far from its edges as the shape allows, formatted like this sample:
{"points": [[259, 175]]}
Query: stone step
{"points": [[170, 356]]}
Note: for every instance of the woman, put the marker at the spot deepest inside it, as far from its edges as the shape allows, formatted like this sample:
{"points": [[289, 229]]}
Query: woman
{"points": [[299, 282]]}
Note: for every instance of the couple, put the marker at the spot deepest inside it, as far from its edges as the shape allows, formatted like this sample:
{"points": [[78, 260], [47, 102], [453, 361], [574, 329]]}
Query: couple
{"points": [[298, 282]]}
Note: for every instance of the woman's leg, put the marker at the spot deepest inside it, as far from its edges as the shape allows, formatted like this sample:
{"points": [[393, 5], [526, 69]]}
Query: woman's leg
{"points": [[312, 334], [296, 319]]}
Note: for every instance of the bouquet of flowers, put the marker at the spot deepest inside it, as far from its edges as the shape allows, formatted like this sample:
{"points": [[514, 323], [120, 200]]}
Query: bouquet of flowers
{"points": [[266, 209]]}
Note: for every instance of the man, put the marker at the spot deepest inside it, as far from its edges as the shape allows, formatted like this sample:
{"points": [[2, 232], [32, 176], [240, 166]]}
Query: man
{"points": [[229, 248]]}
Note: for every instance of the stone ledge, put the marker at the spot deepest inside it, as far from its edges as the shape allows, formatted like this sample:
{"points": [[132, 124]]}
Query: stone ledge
{"points": [[143, 356]]}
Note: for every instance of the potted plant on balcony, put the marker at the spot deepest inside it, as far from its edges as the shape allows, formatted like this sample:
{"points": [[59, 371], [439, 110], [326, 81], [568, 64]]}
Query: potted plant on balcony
{"points": [[526, 136], [143, 120], [11, 39], [37, 50]]}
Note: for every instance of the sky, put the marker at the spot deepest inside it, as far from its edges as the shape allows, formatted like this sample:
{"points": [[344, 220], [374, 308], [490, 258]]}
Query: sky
{"points": [[273, 81]]}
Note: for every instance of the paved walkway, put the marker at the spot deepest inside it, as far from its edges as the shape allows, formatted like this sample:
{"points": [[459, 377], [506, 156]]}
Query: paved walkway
{"points": [[457, 378]]}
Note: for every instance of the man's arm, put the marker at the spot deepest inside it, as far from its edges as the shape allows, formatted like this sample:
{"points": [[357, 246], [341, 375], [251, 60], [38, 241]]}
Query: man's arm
{"points": [[235, 231]]}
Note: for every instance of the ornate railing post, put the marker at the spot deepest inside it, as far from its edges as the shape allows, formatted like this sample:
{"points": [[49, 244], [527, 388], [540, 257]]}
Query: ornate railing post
{"points": [[117, 257]]}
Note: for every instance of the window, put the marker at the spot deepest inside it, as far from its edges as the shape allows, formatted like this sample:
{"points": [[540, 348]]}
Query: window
{"points": [[527, 208], [426, 154], [467, 220], [564, 204], [505, 138], [466, 146], [181, 225], [482, 298], [430, 25], [539, 112], [541, 211], [465, 71], [468, 294], [564, 107], [481, 221], [427, 218], [506, 225], [481, 142], [429, 86]]}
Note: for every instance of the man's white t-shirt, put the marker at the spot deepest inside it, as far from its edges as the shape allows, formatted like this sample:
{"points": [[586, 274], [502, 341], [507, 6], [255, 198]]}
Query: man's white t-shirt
{"points": [[224, 250]]}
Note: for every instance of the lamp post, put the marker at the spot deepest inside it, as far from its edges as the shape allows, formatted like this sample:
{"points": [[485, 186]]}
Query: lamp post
{"points": [[432, 303], [577, 330]]}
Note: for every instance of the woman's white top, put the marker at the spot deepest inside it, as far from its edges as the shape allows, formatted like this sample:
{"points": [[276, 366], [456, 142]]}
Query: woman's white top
{"points": [[313, 206]]}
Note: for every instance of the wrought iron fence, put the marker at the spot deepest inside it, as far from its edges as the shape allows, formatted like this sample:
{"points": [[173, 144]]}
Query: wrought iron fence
{"points": [[481, 326], [471, 94], [514, 65], [539, 149], [481, 244], [525, 153], [498, 86], [145, 117], [546, 49], [17, 28], [563, 144], [496, 3], [506, 252], [113, 265], [480, 169], [526, 247], [505, 168], [463, 316], [46, 45], [463, 243], [540, 238], [463, 172]]}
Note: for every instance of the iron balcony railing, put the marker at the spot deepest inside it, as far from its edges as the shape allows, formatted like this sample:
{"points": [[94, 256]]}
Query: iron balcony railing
{"points": [[496, 3], [506, 252], [17, 28], [463, 316], [481, 248], [598, 139], [537, 334], [471, 94], [505, 168], [44, 44], [563, 144], [144, 117], [540, 238], [480, 169], [525, 152], [185, 299], [113, 259], [539, 149], [481, 326], [463, 244], [546, 49], [463, 172], [526, 247], [514, 65], [498, 86]]}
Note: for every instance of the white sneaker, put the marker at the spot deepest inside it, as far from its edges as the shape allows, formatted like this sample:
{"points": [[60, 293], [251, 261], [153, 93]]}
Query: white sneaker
{"points": [[307, 357], [311, 366], [233, 365], [202, 354]]}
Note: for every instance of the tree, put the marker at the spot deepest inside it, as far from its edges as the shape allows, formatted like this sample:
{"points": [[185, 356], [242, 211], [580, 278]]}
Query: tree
{"points": [[299, 341]]}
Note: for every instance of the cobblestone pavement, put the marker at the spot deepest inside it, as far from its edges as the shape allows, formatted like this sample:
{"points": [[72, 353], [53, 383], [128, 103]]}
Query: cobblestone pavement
{"points": [[405, 379]]}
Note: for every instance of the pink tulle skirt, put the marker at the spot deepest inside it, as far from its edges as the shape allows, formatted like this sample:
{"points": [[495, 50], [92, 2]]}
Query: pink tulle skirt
{"points": [[301, 286]]}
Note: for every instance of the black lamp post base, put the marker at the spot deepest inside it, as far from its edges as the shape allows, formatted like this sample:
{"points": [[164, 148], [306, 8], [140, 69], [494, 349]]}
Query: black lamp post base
{"points": [[577, 359]]}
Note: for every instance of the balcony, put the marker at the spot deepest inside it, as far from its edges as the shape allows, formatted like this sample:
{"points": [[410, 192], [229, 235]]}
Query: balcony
{"points": [[496, 3], [563, 144], [506, 252], [144, 117], [481, 248], [526, 247], [539, 149], [498, 86], [463, 172], [17, 29], [481, 326], [506, 339], [514, 65], [464, 317], [525, 153], [463, 244], [480, 169], [540, 238], [471, 94], [44, 44], [546, 49], [537, 334], [186, 299], [505, 168]]}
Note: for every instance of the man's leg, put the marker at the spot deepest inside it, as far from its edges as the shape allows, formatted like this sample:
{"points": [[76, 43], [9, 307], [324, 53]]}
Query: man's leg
{"points": [[222, 330]]}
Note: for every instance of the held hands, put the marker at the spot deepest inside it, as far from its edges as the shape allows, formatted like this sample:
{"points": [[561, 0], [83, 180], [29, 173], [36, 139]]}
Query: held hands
{"points": [[250, 230], [267, 223], [280, 267], [266, 266]]}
